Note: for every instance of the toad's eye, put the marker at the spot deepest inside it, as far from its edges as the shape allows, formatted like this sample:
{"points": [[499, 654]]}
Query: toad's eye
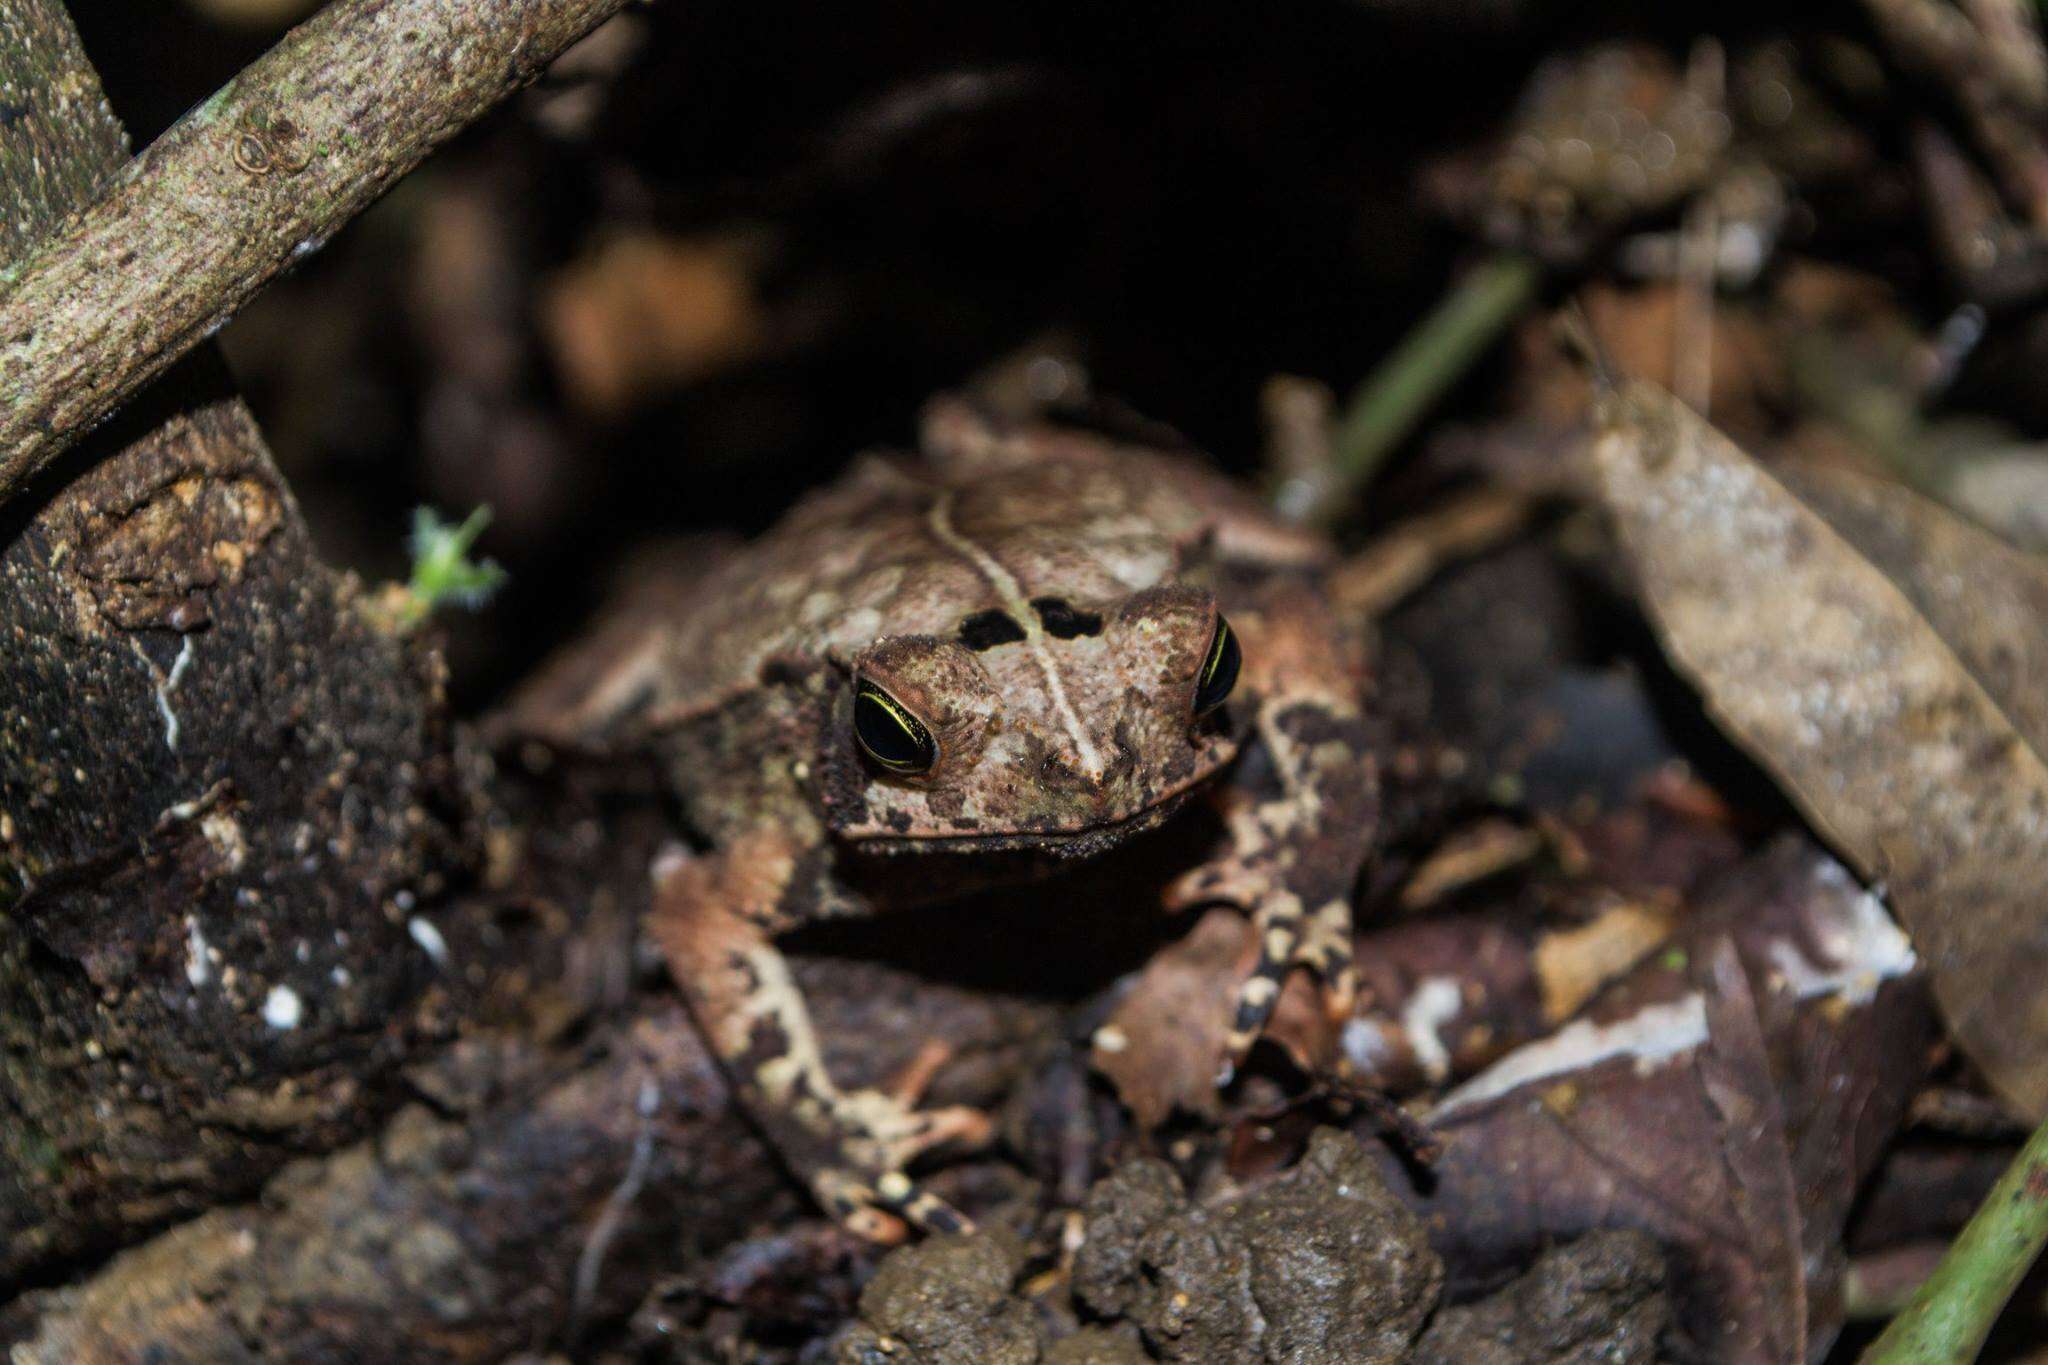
{"points": [[889, 734], [1219, 669]]}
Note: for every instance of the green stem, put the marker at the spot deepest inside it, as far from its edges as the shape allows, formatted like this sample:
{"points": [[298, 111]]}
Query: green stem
{"points": [[1947, 1321], [1431, 359]]}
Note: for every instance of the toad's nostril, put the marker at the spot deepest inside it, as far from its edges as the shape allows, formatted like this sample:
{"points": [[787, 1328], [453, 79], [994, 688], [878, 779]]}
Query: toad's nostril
{"points": [[1075, 771]]}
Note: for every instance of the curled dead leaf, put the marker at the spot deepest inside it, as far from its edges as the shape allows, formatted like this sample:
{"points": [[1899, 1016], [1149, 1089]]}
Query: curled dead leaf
{"points": [[1728, 1096], [1882, 660], [1161, 1046]]}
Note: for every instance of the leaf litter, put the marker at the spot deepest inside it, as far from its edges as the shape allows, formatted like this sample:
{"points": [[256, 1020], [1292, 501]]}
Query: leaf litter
{"points": [[1882, 660]]}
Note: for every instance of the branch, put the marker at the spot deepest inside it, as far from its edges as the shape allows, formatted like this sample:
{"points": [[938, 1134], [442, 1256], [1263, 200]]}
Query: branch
{"points": [[1947, 1321], [249, 181]]}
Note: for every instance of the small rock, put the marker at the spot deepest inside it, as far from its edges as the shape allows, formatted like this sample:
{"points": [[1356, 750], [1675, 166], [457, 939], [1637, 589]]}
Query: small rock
{"points": [[1322, 1264], [1598, 1301], [1100, 1346], [1120, 1209], [945, 1300]]}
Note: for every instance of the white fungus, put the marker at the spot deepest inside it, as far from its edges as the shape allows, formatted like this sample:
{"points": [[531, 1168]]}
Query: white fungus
{"points": [[429, 938], [282, 1008]]}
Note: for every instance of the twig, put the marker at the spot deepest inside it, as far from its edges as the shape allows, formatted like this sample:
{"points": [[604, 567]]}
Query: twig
{"points": [[1411, 553], [1692, 331], [1947, 1321], [1995, 75], [248, 182], [1430, 359], [616, 1205]]}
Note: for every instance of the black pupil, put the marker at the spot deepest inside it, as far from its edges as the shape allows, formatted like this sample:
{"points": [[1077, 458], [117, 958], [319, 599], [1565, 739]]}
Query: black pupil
{"points": [[1219, 669], [891, 735]]}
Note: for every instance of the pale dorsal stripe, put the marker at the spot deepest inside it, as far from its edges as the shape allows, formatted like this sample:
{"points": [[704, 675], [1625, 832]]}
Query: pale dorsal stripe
{"points": [[1011, 593]]}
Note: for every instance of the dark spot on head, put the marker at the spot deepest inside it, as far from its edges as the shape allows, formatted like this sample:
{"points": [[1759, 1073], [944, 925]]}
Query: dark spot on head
{"points": [[1063, 621], [784, 671], [987, 629], [898, 820]]}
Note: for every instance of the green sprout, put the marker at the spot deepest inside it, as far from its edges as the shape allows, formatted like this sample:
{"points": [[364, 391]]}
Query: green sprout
{"points": [[442, 571]]}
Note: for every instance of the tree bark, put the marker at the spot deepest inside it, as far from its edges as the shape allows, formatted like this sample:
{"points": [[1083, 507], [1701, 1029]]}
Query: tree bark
{"points": [[224, 786]]}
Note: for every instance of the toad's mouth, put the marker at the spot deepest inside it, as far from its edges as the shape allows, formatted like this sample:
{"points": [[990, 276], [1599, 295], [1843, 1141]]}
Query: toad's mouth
{"points": [[1078, 842]]}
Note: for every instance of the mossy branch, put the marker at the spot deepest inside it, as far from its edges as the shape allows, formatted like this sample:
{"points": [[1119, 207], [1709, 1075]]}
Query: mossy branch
{"points": [[249, 181]]}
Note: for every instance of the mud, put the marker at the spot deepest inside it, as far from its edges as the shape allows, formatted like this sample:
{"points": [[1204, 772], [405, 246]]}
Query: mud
{"points": [[1599, 1299]]}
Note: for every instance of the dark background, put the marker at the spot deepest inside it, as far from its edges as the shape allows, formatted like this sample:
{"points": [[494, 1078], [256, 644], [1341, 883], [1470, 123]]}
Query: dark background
{"points": [[1190, 198]]}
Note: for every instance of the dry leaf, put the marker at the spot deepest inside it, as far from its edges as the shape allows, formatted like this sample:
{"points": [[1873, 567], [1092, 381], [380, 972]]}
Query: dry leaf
{"points": [[1883, 660], [645, 313], [1728, 1096], [1160, 1046], [1469, 856], [1734, 1071], [1163, 1043], [1441, 995], [1572, 964]]}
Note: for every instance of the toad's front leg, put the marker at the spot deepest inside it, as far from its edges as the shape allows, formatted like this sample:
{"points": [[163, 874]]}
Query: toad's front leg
{"points": [[715, 918], [1302, 811]]}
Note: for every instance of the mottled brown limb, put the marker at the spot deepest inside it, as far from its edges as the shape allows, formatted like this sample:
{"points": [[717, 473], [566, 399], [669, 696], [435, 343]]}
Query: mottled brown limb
{"points": [[223, 788], [1294, 862], [1412, 552], [1302, 820], [714, 917], [249, 181]]}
